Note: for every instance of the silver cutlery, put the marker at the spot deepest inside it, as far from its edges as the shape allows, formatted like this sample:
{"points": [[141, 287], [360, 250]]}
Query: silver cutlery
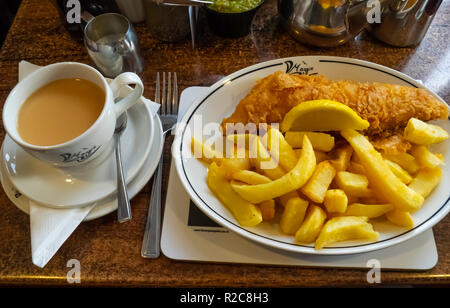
{"points": [[168, 114], [123, 203]]}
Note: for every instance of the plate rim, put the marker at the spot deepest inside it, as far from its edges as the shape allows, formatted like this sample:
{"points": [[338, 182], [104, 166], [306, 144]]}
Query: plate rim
{"points": [[233, 226]]}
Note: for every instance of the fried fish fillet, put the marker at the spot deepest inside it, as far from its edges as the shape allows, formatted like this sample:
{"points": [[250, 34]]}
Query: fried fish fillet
{"points": [[387, 107], [391, 145]]}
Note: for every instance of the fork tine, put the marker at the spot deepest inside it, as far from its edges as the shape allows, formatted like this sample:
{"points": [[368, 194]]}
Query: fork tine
{"points": [[175, 95], [158, 92], [163, 103], [169, 94]]}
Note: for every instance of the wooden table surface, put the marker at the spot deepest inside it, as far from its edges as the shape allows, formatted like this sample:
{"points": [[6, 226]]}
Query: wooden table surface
{"points": [[109, 252]]}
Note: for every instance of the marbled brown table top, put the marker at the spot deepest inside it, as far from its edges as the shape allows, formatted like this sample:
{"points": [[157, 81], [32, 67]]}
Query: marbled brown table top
{"points": [[110, 252]]}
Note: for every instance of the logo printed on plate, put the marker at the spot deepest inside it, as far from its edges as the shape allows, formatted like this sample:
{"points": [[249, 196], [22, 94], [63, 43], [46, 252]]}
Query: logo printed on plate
{"points": [[299, 68]]}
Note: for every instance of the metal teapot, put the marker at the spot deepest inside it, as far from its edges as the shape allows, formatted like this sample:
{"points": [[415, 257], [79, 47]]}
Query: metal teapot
{"points": [[405, 22], [324, 23]]}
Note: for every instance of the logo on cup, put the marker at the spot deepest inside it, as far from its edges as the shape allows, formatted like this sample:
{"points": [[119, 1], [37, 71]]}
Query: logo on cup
{"points": [[80, 156]]}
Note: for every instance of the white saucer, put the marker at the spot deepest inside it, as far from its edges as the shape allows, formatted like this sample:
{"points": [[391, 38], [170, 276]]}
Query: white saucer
{"points": [[108, 204], [88, 183]]}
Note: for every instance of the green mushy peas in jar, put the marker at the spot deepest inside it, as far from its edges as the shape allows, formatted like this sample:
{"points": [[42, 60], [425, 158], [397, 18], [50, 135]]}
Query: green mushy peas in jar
{"points": [[233, 6]]}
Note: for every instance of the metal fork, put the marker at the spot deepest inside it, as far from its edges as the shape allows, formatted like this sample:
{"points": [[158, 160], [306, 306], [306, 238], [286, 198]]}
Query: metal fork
{"points": [[168, 115]]}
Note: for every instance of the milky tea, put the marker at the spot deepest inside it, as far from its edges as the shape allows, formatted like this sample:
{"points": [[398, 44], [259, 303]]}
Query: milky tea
{"points": [[60, 111]]}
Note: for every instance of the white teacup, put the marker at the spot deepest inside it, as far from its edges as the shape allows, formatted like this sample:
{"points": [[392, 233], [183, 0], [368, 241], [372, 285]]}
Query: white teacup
{"points": [[93, 141]]}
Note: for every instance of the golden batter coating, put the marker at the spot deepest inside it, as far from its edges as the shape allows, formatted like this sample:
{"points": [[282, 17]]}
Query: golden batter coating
{"points": [[387, 107]]}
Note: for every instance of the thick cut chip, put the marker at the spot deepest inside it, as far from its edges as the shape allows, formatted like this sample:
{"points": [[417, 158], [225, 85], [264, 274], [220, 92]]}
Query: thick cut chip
{"points": [[280, 149], [400, 218], [399, 172], [405, 160], [267, 209], [355, 167], [250, 177], [320, 141], [241, 140], [284, 199], [318, 184], [344, 154], [353, 184], [425, 158], [380, 176], [426, 181], [368, 210], [246, 213], [420, 132], [345, 228], [205, 152], [310, 228], [320, 156], [292, 180], [261, 159], [293, 215], [233, 165], [336, 201]]}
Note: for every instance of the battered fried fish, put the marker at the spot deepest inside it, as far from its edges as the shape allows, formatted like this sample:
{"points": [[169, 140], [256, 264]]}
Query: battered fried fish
{"points": [[391, 145], [387, 107]]}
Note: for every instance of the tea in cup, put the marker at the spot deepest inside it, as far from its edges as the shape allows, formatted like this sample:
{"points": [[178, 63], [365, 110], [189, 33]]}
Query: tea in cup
{"points": [[65, 113]]}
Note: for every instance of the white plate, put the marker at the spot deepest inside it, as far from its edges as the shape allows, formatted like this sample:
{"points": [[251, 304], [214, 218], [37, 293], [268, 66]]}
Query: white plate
{"points": [[109, 204], [85, 184], [221, 100]]}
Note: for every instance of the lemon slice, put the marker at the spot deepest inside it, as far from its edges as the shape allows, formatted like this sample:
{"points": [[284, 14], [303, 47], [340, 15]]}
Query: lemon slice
{"points": [[322, 115]]}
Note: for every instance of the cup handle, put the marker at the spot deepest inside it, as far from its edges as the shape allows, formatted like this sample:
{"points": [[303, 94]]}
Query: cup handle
{"points": [[132, 98]]}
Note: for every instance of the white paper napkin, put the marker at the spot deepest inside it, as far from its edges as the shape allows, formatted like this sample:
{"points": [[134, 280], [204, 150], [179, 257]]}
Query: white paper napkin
{"points": [[49, 227]]}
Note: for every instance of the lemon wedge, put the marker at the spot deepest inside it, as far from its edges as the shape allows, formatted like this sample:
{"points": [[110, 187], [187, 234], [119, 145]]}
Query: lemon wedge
{"points": [[322, 115]]}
